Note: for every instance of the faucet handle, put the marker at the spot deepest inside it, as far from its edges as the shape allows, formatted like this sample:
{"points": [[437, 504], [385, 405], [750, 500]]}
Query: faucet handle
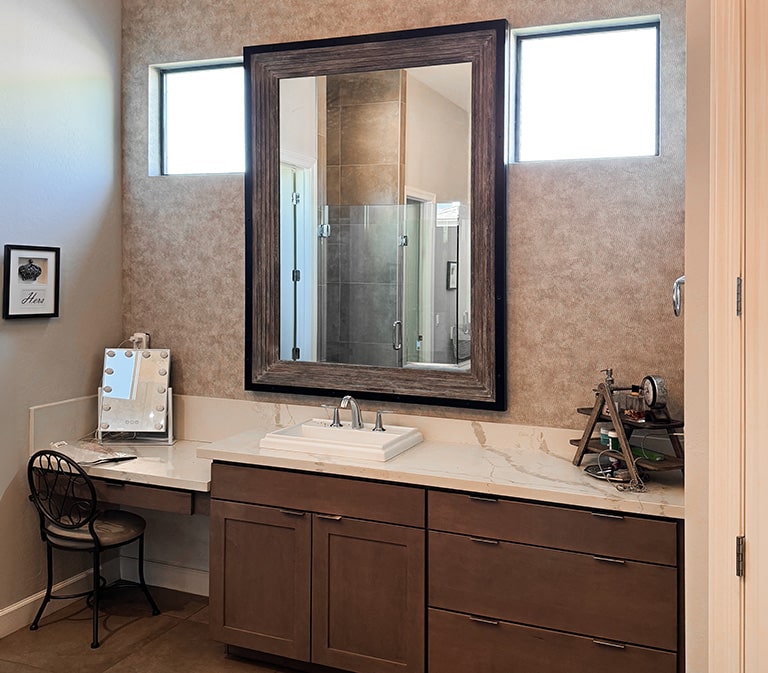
{"points": [[379, 427], [335, 423]]}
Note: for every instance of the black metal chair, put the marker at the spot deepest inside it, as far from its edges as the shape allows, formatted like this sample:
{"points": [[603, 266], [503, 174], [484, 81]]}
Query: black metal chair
{"points": [[70, 520]]}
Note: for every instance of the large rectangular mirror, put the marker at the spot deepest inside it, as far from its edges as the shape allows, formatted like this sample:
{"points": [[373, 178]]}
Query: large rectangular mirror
{"points": [[375, 211]]}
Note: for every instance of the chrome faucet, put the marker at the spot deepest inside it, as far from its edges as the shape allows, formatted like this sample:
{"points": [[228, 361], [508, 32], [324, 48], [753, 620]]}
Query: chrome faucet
{"points": [[351, 403]]}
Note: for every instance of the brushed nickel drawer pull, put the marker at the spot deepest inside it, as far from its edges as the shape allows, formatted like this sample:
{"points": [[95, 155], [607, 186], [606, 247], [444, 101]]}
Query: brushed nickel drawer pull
{"points": [[330, 517], [292, 512], [607, 559], [480, 498], [484, 540], [608, 643], [603, 515], [114, 484], [482, 620]]}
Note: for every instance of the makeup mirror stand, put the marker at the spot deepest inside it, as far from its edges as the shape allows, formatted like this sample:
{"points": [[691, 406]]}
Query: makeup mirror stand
{"points": [[135, 402], [118, 437]]}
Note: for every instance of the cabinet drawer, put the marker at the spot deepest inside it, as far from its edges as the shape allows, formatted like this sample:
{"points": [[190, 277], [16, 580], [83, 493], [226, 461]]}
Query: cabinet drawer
{"points": [[390, 503], [136, 495], [600, 533], [460, 644], [614, 599]]}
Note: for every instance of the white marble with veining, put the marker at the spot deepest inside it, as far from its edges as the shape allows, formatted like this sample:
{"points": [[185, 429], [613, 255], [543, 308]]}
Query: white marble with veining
{"points": [[171, 466], [529, 463], [485, 457]]}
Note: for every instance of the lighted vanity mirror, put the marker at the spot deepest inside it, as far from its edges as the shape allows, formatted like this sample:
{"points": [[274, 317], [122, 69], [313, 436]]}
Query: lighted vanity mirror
{"points": [[134, 396], [375, 216]]}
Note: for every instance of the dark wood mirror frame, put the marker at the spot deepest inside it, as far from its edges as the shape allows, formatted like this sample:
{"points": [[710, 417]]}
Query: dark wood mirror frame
{"points": [[483, 44]]}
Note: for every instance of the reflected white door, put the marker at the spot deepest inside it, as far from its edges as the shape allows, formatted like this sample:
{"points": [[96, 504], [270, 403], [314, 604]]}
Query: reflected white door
{"points": [[298, 267]]}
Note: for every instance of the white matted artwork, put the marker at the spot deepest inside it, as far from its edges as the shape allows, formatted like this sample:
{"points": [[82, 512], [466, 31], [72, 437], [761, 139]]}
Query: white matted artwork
{"points": [[31, 282]]}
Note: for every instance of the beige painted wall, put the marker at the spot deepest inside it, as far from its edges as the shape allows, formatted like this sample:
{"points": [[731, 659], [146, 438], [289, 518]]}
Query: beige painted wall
{"points": [[59, 186], [437, 140], [593, 246]]}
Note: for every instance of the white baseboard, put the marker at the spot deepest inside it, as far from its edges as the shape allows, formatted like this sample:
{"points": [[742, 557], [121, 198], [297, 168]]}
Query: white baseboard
{"points": [[157, 574], [21, 614], [189, 580]]}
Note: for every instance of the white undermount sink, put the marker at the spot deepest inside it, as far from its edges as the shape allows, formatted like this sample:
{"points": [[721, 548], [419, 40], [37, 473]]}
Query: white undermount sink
{"points": [[317, 436]]}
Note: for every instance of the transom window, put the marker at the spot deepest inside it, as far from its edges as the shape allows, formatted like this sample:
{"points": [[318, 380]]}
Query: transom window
{"points": [[202, 119], [587, 93]]}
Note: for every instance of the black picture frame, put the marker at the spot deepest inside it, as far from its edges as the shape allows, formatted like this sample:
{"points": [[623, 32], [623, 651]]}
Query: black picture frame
{"points": [[31, 276]]}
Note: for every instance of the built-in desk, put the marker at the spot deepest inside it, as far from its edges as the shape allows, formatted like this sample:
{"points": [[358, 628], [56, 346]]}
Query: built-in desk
{"points": [[169, 478]]}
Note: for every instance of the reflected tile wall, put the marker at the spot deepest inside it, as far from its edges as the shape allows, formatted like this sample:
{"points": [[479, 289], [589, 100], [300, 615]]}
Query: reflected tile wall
{"points": [[364, 131]]}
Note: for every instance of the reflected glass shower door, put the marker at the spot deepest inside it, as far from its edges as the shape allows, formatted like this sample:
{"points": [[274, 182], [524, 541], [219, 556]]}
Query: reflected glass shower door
{"points": [[362, 323]]}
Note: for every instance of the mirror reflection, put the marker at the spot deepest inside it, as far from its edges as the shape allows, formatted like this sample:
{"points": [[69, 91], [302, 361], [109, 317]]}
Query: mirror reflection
{"points": [[375, 230]]}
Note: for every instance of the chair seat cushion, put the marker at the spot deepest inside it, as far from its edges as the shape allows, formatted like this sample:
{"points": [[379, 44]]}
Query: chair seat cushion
{"points": [[112, 527]]}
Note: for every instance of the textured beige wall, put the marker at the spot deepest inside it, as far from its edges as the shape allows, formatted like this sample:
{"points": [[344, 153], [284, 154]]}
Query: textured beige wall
{"points": [[697, 355], [593, 246], [59, 186]]}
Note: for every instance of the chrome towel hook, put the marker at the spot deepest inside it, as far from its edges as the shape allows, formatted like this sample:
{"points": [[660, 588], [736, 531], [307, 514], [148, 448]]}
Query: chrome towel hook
{"points": [[677, 300]]}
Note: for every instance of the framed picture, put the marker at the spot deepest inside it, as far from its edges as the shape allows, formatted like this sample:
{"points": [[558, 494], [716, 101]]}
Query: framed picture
{"points": [[31, 282], [451, 281]]}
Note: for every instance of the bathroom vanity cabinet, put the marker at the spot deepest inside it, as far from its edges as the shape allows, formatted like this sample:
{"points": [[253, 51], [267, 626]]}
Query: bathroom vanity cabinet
{"points": [[331, 570], [318, 569], [516, 587]]}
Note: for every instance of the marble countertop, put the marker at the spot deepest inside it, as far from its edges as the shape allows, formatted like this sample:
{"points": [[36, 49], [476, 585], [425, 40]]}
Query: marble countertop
{"points": [[177, 465], [532, 467]]}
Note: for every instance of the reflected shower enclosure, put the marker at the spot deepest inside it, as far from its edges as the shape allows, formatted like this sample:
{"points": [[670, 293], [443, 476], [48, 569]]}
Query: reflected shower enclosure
{"points": [[382, 295], [374, 209]]}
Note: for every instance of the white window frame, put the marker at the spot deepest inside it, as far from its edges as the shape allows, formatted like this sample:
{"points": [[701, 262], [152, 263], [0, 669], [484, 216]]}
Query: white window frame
{"points": [[520, 35], [157, 126]]}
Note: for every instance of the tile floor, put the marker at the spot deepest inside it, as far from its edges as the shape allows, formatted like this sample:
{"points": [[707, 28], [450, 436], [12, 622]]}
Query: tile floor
{"points": [[132, 640]]}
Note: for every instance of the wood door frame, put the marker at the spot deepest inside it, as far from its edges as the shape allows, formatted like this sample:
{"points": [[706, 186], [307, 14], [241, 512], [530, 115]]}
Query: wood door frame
{"points": [[756, 334], [726, 334]]}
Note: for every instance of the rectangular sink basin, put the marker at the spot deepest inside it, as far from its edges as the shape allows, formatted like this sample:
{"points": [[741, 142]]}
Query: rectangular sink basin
{"points": [[316, 436]]}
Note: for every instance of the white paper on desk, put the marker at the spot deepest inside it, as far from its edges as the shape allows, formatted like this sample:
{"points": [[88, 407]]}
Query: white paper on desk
{"points": [[91, 453]]}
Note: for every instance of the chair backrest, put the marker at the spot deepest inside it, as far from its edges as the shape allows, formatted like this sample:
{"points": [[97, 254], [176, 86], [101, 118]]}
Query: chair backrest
{"points": [[61, 490]]}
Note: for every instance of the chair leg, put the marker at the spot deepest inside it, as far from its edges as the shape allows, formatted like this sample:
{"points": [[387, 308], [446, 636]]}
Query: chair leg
{"points": [[144, 588], [95, 602], [48, 588]]}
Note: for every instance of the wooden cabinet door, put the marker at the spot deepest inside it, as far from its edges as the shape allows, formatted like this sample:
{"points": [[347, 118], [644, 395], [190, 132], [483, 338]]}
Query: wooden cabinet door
{"points": [[368, 596], [260, 578]]}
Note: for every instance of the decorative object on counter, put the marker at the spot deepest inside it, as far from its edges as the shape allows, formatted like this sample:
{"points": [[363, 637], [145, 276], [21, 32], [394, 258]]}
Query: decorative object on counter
{"points": [[86, 453], [610, 472], [654, 391], [134, 396], [611, 406], [31, 282]]}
